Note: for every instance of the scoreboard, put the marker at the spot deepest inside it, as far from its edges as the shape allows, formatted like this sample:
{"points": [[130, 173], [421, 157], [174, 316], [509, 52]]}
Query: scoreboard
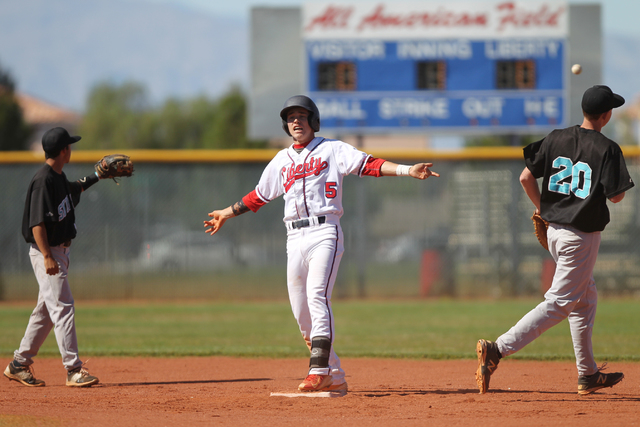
{"points": [[441, 66]]}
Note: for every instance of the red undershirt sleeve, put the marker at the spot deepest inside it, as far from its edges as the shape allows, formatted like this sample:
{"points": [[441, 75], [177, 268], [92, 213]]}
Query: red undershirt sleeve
{"points": [[253, 202], [372, 167]]}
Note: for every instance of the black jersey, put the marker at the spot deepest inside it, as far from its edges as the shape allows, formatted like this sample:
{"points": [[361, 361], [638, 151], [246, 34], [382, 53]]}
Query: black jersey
{"points": [[581, 169], [51, 199]]}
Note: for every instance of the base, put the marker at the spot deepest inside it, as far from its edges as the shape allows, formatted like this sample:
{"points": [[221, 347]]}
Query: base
{"points": [[338, 393]]}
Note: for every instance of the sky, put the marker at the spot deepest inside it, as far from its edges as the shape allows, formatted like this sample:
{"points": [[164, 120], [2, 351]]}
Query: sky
{"points": [[619, 16]]}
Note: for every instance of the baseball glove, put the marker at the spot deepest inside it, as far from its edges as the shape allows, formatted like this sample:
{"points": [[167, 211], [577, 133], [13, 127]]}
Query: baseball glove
{"points": [[114, 166], [540, 229]]}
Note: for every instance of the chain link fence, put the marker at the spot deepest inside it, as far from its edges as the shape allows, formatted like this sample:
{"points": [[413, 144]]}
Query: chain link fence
{"points": [[465, 234]]}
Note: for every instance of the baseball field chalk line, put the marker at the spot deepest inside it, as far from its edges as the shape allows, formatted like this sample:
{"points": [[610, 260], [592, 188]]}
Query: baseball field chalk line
{"points": [[312, 394]]}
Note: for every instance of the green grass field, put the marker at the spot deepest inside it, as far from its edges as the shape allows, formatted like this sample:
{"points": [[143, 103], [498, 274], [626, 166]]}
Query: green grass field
{"points": [[437, 329]]}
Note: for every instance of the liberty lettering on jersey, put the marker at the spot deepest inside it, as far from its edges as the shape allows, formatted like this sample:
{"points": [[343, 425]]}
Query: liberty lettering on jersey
{"points": [[294, 172], [571, 178], [64, 208]]}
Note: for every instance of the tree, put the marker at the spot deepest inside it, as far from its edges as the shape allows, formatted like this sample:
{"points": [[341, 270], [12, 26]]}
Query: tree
{"points": [[14, 131], [116, 117], [228, 129], [182, 124], [121, 117], [624, 128]]}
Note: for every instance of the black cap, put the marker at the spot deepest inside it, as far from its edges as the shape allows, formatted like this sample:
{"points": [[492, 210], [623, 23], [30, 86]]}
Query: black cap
{"points": [[599, 99], [56, 139]]}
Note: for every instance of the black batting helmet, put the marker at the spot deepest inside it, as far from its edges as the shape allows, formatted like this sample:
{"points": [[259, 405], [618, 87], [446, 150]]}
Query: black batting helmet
{"points": [[303, 102]]}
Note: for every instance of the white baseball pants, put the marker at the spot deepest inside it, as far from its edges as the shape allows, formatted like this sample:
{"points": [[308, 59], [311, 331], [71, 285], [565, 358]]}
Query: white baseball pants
{"points": [[313, 258], [55, 310], [572, 295]]}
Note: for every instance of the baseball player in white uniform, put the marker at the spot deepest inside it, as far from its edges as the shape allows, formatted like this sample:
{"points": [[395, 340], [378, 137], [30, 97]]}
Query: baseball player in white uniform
{"points": [[581, 170], [309, 175]]}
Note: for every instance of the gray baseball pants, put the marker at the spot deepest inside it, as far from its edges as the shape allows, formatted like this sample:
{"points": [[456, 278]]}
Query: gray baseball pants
{"points": [[55, 310], [572, 296]]}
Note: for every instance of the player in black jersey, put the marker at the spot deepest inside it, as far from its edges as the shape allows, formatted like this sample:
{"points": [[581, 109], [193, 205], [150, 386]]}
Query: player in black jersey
{"points": [[580, 169], [48, 225]]}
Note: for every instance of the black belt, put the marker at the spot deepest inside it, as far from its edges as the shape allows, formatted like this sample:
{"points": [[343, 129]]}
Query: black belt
{"points": [[301, 223]]}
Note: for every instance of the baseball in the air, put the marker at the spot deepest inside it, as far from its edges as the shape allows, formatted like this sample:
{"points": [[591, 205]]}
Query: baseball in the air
{"points": [[576, 69]]}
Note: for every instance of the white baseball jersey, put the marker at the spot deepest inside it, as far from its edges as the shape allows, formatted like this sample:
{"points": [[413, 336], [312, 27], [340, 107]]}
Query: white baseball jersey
{"points": [[311, 181]]}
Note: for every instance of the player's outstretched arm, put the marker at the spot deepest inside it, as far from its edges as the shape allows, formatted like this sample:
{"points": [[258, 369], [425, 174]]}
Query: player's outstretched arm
{"points": [[218, 218], [422, 171], [418, 171]]}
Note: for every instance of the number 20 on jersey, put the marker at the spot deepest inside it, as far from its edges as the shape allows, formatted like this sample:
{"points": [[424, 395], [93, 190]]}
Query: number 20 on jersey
{"points": [[579, 174]]}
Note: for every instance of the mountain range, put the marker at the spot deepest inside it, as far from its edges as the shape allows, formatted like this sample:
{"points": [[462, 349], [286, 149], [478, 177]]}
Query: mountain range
{"points": [[58, 50]]}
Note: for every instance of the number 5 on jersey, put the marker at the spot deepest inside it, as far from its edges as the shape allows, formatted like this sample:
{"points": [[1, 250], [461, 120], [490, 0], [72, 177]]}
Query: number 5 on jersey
{"points": [[330, 189]]}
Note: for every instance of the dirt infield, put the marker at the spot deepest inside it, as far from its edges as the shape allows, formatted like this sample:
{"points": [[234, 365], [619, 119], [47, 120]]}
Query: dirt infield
{"points": [[389, 392]]}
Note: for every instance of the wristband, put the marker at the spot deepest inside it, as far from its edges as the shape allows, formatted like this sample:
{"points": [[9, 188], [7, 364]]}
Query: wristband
{"points": [[88, 181], [402, 170]]}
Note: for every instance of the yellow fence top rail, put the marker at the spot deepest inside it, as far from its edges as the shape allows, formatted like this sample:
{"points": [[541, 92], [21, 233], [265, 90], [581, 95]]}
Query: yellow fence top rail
{"points": [[265, 155]]}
